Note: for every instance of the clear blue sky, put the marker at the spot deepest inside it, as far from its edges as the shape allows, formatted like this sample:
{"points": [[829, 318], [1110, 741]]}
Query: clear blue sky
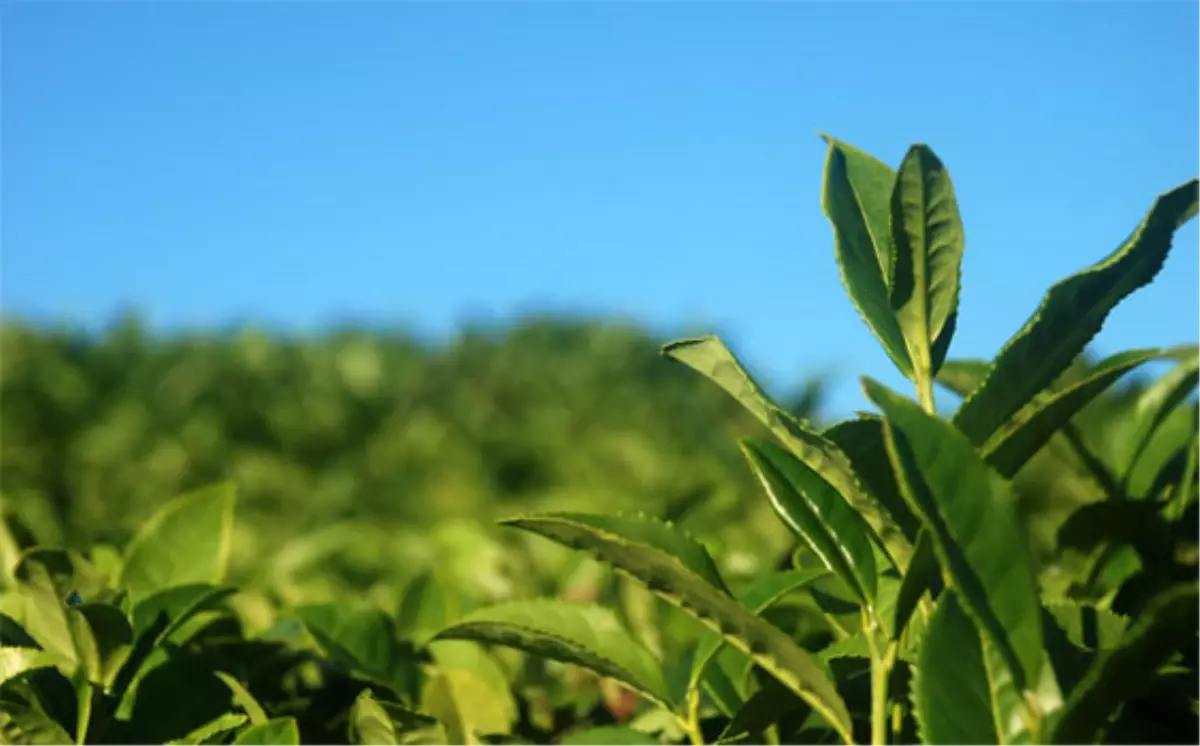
{"points": [[427, 163]]}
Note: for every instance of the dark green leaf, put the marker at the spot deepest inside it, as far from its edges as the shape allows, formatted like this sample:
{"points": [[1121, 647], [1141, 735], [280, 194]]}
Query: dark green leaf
{"points": [[363, 640], [1070, 315], [922, 576], [861, 439], [817, 514], [628, 545], [928, 239], [1010, 447], [951, 696], [1157, 402], [177, 604], [584, 635], [1117, 674], [764, 709], [963, 376], [757, 598], [970, 513], [711, 358], [856, 198]]}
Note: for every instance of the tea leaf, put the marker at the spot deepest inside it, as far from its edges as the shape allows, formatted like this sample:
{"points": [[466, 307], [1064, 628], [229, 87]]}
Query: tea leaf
{"points": [[363, 640], [613, 735], [855, 196], [951, 696], [244, 699], [1158, 401], [760, 712], [375, 723], [757, 598], [712, 359], [15, 661], [623, 543], [928, 239], [187, 541], [466, 706], [861, 440], [216, 727], [1071, 313], [584, 635], [104, 641], [178, 605], [963, 376], [277, 732], [817, 514], [1015, 442], [1168, 621], [970, 513], [921, 576]]}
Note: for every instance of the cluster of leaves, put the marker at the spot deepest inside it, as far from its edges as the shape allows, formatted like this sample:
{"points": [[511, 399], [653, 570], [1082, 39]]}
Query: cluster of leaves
{"points": [[944, 625], [1024, 571], [401, 453]]}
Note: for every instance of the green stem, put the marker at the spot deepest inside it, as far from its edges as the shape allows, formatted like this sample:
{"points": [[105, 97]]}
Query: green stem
{"points": [[881, 670], [690, 721], [925, 391]]}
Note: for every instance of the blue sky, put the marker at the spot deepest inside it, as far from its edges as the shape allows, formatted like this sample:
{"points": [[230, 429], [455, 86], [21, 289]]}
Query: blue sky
{"points": [[425, 164]]}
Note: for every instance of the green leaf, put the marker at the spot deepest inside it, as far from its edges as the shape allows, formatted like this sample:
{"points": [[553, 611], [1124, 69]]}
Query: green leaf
{"points": [[950, 691], [641, 531], [609, 734], [178, 605], [104, 641], [759, 596], [928, 239], [1169, 621], [46, 578], [1157, 402], [206, 733], [963, 376], [712, 359], [363, 640], [970, 513], [921, 576], [244, 699], [466, 705], [1014, 443], [580, 634], [628, 545], [1089, 627], [1070, 315], [187, 541], [764, 709], [376, 723], [277, 732], [861, 440], [15, 661], [1137, 523], [855, 196], [817, 514]]}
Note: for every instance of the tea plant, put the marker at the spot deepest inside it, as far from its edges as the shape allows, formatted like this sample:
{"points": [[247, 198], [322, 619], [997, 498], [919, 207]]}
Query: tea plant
{"points": [[921, 603], [911, 522]]}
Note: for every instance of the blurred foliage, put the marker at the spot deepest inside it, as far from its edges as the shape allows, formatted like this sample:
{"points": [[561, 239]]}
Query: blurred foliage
{"points": [[365, 459]]}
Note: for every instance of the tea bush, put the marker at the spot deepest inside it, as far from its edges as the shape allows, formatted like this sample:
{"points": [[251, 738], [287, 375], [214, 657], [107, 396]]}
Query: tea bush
{"points": [[1024, 571]]}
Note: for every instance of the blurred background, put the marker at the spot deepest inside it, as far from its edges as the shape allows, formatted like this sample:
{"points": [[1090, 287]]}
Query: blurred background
{"points": [[399, 269]]}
